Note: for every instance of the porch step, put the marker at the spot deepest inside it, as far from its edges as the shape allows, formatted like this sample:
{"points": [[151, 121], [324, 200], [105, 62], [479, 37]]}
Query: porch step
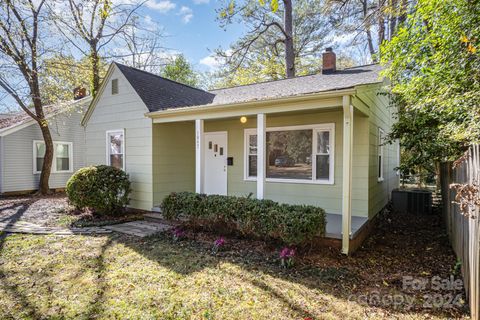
{"points": [[157, 218]]}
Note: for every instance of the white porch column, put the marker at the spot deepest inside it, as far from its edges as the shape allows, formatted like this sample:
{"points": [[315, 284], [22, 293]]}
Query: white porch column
{"points": [[347, 173], [199, 157], [261, 152]]}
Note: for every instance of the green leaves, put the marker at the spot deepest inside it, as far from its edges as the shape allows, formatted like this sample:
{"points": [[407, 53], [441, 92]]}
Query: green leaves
{"points": [[266, 219], [433, 65]]}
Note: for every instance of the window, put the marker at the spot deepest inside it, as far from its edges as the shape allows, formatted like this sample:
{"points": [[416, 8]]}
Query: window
{"points": [[114, 86], [116, 149], [381, 136], [62, 156], [302, 154]]}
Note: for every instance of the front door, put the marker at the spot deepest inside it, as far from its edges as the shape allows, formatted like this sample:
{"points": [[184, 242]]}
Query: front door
{"points": [[215, 163]]}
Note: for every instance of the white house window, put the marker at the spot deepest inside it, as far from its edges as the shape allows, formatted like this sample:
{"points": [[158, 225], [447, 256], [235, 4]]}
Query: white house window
{"points": [[62, 156], [381, 137], [116, 149], [302, 154], [114, 86]]}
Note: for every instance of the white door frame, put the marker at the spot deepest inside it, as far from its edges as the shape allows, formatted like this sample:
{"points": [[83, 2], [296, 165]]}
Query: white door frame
{"points": [[205, 146]]}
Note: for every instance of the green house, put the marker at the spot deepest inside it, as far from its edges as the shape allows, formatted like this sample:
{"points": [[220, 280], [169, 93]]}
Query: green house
{"points": [[314, 139]]}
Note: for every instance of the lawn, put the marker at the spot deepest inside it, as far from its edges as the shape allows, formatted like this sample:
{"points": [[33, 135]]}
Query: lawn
{"points": [[115, 276]]}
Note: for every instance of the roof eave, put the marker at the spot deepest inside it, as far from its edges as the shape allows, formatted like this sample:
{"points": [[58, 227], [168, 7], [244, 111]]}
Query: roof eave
{"points": [[208, 107]]}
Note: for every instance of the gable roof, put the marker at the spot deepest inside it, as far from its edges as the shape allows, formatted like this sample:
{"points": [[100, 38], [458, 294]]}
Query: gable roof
{"points": [[159, 93], [18, 120]]}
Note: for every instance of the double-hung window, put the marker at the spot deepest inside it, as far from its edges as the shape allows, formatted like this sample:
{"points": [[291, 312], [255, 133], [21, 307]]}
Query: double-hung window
{"points": [[381, 147], [300, 154], [116, 149], [62, 156]]}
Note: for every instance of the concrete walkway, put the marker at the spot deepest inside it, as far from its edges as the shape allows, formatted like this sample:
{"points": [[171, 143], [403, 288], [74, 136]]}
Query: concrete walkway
{"points": [[135, 228], [139, 228], [30, 228]]}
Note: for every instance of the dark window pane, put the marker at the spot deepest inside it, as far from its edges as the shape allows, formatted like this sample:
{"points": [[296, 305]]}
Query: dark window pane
{"points": [[323, 167], [379, 166], [116, 160], [323, 142], [252, 166], [252, 144], [39, 164], [289, 154], [63, 164]]}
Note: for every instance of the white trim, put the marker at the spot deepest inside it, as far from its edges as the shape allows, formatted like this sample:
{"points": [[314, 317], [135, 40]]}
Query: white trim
{"points": [[330, 127], [347, 173], [107, 147], [261, 154], [54, 160], [199, 156], [380, 153]]}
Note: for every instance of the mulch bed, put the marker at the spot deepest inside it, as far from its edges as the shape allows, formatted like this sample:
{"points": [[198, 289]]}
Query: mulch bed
{"points": [[54, 210]]}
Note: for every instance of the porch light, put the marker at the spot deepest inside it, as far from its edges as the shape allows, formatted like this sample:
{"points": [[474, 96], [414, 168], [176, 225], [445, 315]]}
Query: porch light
{"points": [[243, 119]]}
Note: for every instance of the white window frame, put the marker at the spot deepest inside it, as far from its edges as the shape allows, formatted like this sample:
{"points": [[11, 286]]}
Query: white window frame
{"points": [[315, 128], [54, 160], [107, 146], [381, 155]]}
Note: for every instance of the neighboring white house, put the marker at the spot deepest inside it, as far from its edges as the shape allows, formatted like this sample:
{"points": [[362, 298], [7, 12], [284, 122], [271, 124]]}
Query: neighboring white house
{"points": [[314, 139], [22, 147]]}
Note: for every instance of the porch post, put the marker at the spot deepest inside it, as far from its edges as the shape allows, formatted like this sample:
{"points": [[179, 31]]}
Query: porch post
{"points": [[261, 161], [347, 173], [199, 157]]}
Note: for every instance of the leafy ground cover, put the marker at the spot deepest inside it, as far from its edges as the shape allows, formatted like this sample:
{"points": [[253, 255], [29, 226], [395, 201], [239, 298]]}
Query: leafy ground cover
{"points": [[54, 210], [117, 276]]}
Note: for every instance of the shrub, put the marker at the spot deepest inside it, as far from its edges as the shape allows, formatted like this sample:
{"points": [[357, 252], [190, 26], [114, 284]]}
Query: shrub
{"points": [[266, 219], [104, 189]]}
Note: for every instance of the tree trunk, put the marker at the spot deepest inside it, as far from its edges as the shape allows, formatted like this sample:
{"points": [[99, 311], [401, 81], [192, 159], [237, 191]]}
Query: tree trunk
{"points": [[43, 187], [381, 22], [371, 48], [95, 69], [289, 46], [393, 18]]}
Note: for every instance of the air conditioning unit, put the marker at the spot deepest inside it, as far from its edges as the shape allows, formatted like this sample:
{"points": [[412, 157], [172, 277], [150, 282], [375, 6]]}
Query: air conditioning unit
{"points": [[414, 201]]}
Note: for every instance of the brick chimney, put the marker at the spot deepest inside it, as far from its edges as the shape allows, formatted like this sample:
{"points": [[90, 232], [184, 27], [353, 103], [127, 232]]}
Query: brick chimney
{"points": [[329, 61], [79, 93]]}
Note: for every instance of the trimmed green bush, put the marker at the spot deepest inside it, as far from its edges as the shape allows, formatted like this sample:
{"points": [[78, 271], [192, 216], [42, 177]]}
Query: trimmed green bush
{"points": [[104, 189], [266, 219]]}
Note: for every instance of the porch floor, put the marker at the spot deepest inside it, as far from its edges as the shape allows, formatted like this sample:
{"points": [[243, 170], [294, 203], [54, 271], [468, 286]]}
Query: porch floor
{"points": [[334, 225]]}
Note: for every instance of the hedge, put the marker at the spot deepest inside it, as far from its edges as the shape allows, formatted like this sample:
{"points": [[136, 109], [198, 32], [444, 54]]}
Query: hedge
{"points": [[104, 189], [266, 219]]}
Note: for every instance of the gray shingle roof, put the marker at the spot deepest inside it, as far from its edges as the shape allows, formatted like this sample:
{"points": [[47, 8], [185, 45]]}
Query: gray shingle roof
{"points": [[159, 93], [342, 79]]}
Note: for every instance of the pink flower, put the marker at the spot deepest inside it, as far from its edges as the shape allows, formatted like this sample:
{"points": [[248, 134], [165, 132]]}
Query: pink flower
{"points": [[219, 242], [287, 253]]}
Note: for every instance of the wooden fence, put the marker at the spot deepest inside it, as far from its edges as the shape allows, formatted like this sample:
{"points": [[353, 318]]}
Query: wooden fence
{"points": [[460, 186]]}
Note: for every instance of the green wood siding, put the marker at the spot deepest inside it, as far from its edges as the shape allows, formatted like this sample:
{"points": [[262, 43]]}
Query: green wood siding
{"points": [[124, 110]]}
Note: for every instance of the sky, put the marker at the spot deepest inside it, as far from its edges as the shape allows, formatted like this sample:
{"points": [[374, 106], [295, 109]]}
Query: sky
{"points": [[191, 28]]}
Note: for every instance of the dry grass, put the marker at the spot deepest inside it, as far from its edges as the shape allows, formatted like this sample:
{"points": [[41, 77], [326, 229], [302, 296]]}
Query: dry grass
{"points": [[119, 277]]}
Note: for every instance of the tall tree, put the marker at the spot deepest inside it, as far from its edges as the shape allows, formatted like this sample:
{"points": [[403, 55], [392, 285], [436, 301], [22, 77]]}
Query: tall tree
{"points": [[368, 22], [95, 22], [288, 33], [180, 70], [22, 46], [62, 73], [433, 62]]}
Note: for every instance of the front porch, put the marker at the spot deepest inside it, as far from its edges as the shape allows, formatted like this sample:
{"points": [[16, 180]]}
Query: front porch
{"points": [[322, 176]]}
